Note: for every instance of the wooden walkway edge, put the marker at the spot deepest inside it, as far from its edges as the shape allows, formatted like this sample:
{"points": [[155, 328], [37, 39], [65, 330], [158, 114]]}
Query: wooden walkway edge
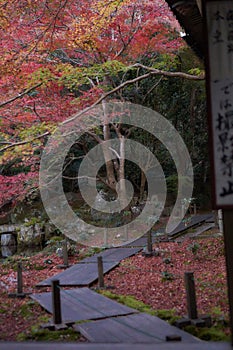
{"points": [[82, 304], [135, 328], [90, 346], [85, 272]]}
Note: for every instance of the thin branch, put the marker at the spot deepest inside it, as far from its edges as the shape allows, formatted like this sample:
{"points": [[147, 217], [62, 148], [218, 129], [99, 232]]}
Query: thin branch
{"points": [[24, 142], [152, 88], [115, 152], [96, 137], [169, 74], [152, 71], [20, 95]]}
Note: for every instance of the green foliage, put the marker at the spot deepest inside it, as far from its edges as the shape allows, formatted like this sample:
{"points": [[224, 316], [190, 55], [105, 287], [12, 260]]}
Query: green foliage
{"points": [[32, 221], [167, 276], [194, 248], [196, 71], [74, 78], [26, 310], [130, 301], [38, 334], [208, 334], [89, 252], [169, 315], [166, 62]]}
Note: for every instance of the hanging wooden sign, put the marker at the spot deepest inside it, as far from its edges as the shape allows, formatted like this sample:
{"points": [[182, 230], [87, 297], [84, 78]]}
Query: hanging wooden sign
{"points": [[219, 25]]}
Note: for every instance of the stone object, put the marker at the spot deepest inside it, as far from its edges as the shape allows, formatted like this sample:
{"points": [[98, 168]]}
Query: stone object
{"points": [[8, 239]]}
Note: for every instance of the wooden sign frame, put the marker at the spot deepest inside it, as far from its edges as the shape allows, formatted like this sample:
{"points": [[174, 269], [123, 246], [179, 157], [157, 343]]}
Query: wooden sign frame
{"points": [[218, 17]]}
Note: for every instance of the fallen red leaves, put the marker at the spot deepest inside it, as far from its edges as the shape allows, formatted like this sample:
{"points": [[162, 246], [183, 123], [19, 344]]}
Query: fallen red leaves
{"points": [[157, 281], [160, 283]]}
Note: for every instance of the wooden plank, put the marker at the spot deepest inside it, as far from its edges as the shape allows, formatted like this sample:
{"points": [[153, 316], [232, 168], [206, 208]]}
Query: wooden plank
{"points": [[83, 304], [135, 328], [195, 220], [142, 241], [90, 346], [79, 275], [112, 255], [201, 229]]}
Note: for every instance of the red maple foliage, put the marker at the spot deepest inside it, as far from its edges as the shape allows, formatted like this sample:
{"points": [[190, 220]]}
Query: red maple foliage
{"points": [[48, 48]]}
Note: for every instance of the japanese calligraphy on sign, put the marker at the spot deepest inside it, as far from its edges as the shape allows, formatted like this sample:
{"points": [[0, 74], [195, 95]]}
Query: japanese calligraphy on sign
{"points": [[220, 44]]}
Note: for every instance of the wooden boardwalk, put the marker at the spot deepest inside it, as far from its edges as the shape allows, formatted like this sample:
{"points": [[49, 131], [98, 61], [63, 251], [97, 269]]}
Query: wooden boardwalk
{"points": [[90, 346], [78, 275], [196, 232], [86, 272], [112, 255], [135, 328], [83, 304], [195, 220], [113, 325], [142, 241]]}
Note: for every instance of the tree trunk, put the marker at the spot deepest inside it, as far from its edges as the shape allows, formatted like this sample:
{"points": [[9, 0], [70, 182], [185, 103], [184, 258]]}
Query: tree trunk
{"points": [[142, 186], [122, 171], [111, 178]]}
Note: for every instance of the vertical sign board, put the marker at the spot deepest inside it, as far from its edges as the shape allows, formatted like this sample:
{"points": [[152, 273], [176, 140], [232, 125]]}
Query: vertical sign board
{"points": [[219, 24], [218, 17]]}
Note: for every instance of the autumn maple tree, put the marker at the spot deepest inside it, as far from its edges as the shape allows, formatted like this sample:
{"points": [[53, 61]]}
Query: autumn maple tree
{"points": [[59, 57]]}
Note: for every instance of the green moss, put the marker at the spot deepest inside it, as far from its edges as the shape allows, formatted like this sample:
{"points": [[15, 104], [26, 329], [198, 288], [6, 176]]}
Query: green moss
{"points": [[44, 319], [213, 334], [130, 301], [168, 315], [208, 334], [25, 311], [39, 267], [39, 334]]}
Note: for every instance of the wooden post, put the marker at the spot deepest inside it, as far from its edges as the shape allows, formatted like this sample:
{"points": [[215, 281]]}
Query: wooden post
{"points": [[19, 293], [19, 278], [56, 302], [190, 295], [100, 272], [65, 253], [126, 233], [105, 237], [194, 209], [228, 241], [149, 242]]}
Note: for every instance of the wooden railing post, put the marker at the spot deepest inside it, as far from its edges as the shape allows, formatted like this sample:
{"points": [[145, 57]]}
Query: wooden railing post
{"points": [[149, 242], [19, 278], [100, 272], [65, 253], [56, 302], [190, 295]]}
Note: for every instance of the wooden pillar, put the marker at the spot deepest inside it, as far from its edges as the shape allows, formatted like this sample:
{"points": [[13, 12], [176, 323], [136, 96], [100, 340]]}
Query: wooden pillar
{"points": [[100, 271], [65, 253], [149, 242], [105, 237], [56, 302], [19, 278], [228, 241], [190, 295]]}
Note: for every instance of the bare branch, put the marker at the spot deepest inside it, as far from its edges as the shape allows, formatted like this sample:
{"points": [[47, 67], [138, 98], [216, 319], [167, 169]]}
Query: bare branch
{"points": [[96, 137], [152, 71], [115, 152], [14, 144], [20, 95], [169, 74]]}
